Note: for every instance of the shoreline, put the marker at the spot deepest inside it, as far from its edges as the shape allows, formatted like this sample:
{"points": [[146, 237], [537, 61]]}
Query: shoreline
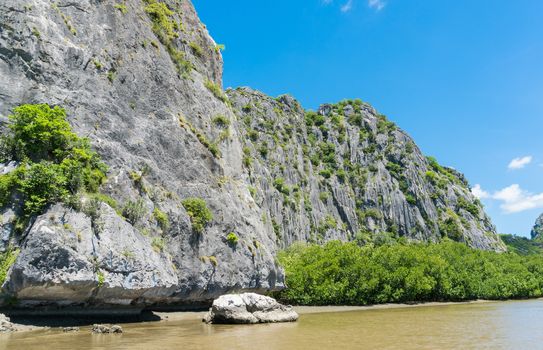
{"points": [[29, 324]]}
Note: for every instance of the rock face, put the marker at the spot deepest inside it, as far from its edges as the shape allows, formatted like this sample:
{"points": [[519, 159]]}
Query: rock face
{"points": [[537, 231], [249, 308], [347, 172], [143, 82]]}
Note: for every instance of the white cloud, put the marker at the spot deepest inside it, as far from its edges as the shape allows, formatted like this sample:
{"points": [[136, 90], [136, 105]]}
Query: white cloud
{"points": [[519, 163], [479, 192], [347, 6], [377, 5], [514, 199]]}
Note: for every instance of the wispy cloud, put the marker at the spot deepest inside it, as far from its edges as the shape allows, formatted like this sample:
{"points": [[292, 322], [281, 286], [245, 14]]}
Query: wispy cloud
{"points": [[514, 199], [519, 163], [377, 5], [347, 6]]}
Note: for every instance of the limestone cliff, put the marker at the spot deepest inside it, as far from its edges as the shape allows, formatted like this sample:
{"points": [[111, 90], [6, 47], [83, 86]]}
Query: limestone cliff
{"points": [[537, 231], [142, 80]]}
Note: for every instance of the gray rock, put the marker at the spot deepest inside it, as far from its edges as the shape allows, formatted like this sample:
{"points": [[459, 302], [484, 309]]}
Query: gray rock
{"points": [[325, 109], [537, 231], [249, 308], [6, 325], [70, 329], [370, 197], [64, 260], [348, 110], [106, 329]]}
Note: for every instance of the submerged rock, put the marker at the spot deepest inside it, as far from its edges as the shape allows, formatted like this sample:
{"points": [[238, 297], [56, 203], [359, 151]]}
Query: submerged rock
{"points": [[249, 308], [104, 329], [70, 329]]}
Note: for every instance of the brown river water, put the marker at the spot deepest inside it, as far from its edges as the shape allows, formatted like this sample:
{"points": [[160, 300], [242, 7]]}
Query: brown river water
{"points": [[492, 325]]}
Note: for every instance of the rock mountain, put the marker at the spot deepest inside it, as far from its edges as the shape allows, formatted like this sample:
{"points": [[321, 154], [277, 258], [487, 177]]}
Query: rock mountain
{"points": [[143, 81], [537, 231]]}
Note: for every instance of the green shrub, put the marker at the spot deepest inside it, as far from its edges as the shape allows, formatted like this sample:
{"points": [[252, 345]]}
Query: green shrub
{"points": [[134, 211], [276, 229], [470, 207], [165, 28], [7, 259], [162, 219], [216, 90], [158, 244], [121, 7], [232, 238], [221, 121], [326, 173], [105, 199], [199, 213], [323, 196], [451, 227], [280, 185], [196, 49], [54, 162]]}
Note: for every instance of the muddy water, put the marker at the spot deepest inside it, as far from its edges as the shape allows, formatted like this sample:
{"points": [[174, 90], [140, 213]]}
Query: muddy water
{"points": [[505, 325]]}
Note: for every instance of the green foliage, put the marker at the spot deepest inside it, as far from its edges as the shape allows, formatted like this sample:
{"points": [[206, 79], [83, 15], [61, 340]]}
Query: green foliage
{"points": [[162, 219], [164, 25], [121, 7], [134, 211], [111, 75], [197, 49], [277, 229], [384, 126], [101, 278], [470, 207], [54, 162], [323, 196], [199, 213], [7, 259], [451, 227], [232, 238], [280, 185], [216, 90], [522, 245], [221, 121], [165, 28], [158, 244], [36, 32], [104, 198], [347, 274], [314, 119], [326, 173]]}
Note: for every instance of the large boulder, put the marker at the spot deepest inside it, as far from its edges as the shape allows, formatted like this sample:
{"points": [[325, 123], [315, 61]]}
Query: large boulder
{"points": [[537, 231], [249, 308]]}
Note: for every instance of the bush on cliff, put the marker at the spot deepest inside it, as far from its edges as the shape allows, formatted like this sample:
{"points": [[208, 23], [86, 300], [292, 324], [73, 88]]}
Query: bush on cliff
{"points": [[53, 162], [347, 274], [199, 213]]}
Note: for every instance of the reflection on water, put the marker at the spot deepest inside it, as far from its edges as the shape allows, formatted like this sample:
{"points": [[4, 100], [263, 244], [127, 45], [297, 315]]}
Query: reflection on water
{"points": [[508, 325]]}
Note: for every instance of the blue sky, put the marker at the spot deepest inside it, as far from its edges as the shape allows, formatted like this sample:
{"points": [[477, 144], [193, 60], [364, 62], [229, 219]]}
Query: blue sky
{"points": [[463, 77]]}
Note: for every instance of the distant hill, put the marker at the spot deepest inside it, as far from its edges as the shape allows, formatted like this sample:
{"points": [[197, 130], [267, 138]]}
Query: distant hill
{"points": [[522, 245]]}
